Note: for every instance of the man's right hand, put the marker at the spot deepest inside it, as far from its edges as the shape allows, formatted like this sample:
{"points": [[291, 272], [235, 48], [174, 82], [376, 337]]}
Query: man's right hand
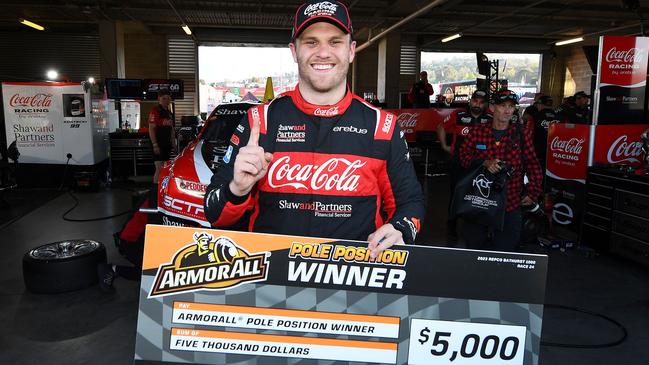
{"points": [[492, 165], [250, 165]]}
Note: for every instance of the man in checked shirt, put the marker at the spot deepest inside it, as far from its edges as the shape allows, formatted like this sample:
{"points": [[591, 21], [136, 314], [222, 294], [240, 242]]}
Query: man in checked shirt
{"points": [[489, 144]]}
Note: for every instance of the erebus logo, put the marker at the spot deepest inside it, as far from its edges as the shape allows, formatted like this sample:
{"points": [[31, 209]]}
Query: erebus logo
{"points": [[622, 150], [330, 112], [209, 263], [483, 184], [350, 129], [334, 174]]}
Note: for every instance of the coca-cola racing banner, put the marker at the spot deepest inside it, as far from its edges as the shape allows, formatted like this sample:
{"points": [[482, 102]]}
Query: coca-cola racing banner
{"points": [[412, 121], [48, 120], [567, 156], [622, 80]]}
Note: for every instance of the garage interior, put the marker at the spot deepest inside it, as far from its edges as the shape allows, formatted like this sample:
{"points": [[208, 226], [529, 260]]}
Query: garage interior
{"points": [[144, 39]]}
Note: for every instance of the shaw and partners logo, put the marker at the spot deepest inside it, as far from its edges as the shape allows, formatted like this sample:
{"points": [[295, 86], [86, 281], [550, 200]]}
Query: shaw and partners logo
{"points": [[209, 263]]}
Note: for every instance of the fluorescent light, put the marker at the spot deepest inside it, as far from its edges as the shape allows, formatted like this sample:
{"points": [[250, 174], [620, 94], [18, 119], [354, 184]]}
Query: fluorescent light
{"points": [[91, 80], [31, 24], [568, 41], [52, 74], [451, 37], [186, 29]]}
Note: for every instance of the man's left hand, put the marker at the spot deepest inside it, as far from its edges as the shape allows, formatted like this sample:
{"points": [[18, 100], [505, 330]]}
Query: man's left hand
{"points": [[527, 201], [382, 238]]}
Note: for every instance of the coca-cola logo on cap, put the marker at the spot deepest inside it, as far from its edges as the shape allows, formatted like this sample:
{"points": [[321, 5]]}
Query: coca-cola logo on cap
{"points": [[321, 8], [337, 174], [624, 151], [39, 100], [407, 120]]}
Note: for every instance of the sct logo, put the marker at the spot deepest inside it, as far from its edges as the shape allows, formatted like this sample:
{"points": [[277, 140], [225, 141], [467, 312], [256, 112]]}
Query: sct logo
{"points": [[483, 184], [562, 214], [183, 206]]}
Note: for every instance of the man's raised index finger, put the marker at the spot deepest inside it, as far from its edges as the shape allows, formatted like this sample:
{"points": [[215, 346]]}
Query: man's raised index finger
{"points": [[254, 133]]}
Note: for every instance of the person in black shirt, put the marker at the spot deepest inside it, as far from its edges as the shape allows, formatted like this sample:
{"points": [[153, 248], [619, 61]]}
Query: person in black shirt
{"points": [[161, 131], [420, 92], [538, 121]]}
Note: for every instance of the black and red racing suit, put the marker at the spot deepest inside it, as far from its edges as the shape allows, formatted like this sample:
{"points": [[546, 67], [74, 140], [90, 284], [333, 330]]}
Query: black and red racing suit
{"points": [[338, 171]]}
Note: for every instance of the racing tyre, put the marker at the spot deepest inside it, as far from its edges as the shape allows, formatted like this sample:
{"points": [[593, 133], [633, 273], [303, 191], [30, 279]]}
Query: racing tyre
{"points": [[62, 266]]}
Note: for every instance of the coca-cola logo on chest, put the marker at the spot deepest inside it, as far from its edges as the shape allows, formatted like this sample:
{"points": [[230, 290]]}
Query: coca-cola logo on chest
{"points": [[623, 150], [336, 173], [39, 100]]}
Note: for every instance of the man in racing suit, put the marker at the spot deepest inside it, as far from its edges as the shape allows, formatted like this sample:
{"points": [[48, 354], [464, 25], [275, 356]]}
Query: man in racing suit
{"points": [[461, 123], [320, 161]]}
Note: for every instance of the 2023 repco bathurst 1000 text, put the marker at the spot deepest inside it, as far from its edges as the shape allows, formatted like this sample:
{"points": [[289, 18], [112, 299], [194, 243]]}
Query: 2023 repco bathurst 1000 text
{"points": [[183, 180]]}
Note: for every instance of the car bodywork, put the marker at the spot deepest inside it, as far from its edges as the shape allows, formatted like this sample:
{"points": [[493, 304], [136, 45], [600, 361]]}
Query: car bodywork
{"points": [[183, 180]]}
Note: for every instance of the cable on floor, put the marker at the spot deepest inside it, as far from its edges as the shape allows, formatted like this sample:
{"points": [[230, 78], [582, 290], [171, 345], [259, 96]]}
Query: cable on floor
{"points": [[76, 203], [587, 346]]}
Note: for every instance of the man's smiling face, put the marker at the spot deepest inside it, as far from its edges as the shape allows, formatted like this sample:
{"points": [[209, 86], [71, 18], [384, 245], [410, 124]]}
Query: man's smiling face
{"points": [[323, 53]]}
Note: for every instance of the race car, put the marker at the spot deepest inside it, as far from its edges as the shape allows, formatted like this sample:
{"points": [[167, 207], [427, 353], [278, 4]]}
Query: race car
{"points": [[183, 180]]}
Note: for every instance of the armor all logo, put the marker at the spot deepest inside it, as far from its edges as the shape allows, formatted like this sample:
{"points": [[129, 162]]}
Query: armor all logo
{"points": [[631, 55], [407, 120], [333, 111], [572, 146], [622, 150], [37, 100], [336, 173]]}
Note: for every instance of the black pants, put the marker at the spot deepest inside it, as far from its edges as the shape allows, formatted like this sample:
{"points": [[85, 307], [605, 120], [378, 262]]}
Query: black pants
{"points": [[476, 236], [455, 173]]}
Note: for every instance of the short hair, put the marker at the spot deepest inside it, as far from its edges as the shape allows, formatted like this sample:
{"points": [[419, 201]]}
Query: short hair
{"points": [[164, 92]]}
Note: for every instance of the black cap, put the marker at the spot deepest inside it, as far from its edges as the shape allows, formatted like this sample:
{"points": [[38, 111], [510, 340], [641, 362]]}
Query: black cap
{"points": [[546, 100], [581, 94], [504, 95], [479, 94], [314, 11]]}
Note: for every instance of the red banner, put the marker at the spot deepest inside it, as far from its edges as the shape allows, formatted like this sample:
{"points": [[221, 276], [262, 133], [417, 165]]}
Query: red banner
{"points": [[624, 60], [412, 121], [567, 156], [619, 144]]}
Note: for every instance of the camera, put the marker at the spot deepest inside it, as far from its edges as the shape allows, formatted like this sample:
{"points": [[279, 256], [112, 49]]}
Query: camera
{"points": [[500, 178]]}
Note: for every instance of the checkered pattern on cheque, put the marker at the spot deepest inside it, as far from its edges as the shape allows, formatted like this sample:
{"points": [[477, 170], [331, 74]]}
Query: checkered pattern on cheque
{"points": [[153, 330]]}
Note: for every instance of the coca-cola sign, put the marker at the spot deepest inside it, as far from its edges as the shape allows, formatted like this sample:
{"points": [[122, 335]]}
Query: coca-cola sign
{"points": [[571, 146], [39, 100], [407, 120], [623, 150], [631, 55], [623, 61], [337, 173]]}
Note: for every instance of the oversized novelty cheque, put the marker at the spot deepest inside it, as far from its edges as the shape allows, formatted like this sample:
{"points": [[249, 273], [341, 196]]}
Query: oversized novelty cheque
{"points": [[224, 297]]}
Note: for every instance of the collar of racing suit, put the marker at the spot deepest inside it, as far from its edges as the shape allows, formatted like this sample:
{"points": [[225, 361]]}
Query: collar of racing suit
{"points": [[321, 110]]}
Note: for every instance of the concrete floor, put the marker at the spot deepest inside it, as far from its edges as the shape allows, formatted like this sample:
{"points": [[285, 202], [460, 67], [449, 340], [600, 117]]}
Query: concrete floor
{"points": [[91, 327]]}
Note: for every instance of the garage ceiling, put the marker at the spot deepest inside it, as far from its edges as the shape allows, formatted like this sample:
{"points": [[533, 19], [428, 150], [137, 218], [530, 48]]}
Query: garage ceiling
{"points": [[514, 21]]}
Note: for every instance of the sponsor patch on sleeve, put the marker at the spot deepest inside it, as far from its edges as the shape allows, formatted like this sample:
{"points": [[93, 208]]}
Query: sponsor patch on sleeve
{"points": [[481, 146]]}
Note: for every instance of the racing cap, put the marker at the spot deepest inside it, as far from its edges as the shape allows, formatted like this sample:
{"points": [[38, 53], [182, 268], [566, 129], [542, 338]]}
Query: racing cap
{"points": [[314, 11], [546, 100], [502, 96], [581, 94], [479, 94]]}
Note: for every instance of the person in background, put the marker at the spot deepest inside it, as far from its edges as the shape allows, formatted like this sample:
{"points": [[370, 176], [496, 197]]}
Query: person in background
{"points": [[538, 122], [319, 160], [420, 92], [576, 109], [461, 123], [161, 131], [490, 145]]}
